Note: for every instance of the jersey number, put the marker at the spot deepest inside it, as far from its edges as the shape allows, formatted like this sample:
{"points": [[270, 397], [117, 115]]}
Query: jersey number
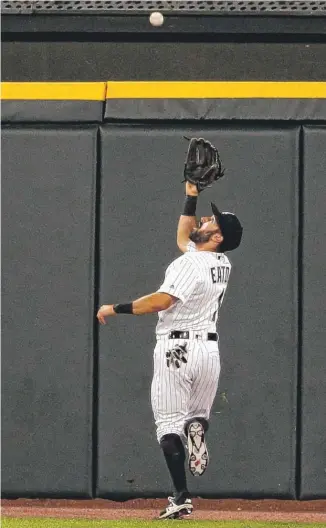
{"points": [[219, 302]]}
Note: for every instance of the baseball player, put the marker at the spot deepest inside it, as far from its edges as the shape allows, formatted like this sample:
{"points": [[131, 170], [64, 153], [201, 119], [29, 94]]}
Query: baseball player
{"points": [[186, 355]]}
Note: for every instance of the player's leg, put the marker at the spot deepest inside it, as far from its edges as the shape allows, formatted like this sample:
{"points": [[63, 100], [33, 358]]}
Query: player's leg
{"points": [[170, 395], [206, 378], [175, 457], [174, 454]]}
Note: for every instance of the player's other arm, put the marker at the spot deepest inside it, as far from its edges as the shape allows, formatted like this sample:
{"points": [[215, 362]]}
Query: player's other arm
{"points": [[187, 221], [154, 302]]}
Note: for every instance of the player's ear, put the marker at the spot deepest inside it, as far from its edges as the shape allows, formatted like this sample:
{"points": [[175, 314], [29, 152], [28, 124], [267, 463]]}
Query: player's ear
{"points": [[218, 238]]}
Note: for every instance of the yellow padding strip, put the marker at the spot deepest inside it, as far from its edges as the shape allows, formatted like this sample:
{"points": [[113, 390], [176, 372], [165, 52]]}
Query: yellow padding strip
{"points": [[78, 91], [215, 90], [98, 91]]}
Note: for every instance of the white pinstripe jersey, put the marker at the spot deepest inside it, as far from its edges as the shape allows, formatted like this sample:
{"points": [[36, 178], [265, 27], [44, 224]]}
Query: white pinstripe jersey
{"points": [[199, 280]]}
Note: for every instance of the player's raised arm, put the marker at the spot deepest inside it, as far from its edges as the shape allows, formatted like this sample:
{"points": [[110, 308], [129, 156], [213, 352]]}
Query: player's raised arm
{"points": [[187, 220], [202, 168]]}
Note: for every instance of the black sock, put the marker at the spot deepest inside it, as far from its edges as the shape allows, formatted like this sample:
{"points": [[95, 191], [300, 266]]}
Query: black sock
{"points": [[175, 457]]}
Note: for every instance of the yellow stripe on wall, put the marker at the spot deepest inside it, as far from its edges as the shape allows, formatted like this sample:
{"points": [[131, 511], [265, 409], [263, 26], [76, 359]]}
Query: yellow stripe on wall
{"points": [[215, 90], [98, 91], [78, 91]]}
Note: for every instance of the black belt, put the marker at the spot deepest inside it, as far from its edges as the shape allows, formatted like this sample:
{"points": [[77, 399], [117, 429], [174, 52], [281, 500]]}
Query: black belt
{"points": [[179, 334]]}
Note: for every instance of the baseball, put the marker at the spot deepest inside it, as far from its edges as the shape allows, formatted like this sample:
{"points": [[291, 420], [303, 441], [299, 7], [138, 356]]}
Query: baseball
{"points": [[156, 19]]}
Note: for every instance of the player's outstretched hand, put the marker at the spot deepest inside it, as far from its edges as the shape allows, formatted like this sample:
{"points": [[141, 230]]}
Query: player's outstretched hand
{"points": [[105, 311], [191, 189]]}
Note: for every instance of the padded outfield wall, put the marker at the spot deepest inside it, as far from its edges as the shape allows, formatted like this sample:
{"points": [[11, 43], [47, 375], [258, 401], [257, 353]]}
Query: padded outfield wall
{"points": [[91, 200], [74, 201]]}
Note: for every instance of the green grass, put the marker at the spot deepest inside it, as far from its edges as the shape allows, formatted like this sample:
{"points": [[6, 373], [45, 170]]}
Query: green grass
{"points": [[80, 523]]}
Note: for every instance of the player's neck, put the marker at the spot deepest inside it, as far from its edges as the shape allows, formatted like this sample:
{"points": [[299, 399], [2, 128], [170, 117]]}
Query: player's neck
{"points": [[206, 247]]}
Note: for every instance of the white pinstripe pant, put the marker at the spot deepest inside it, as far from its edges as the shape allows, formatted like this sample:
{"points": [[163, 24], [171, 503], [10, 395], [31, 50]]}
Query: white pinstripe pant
{"points": [[178, 395]]}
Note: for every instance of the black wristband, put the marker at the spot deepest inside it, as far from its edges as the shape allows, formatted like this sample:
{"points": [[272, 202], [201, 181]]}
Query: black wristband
{"points": [[189, 208], [123, 308]]}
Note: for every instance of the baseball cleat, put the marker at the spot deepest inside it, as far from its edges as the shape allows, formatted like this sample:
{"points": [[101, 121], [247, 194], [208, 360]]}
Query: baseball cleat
{"points": [[197, 449], [177, 511]]}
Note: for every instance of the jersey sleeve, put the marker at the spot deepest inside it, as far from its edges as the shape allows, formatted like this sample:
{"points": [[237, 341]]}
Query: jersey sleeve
{"points": [[191, 246], [180, 279]]}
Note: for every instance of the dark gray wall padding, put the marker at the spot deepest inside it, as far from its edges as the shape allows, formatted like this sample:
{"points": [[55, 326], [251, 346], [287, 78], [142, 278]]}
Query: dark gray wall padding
{"points": [[215, 109], [44, 111], [313, 394], [252, 433], [48, 179]]}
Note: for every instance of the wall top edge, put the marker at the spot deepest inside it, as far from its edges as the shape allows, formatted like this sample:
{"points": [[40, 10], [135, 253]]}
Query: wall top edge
{"points": [[172, 7]]}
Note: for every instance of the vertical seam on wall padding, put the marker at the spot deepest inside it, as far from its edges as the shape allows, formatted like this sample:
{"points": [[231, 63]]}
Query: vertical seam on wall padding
{"points": [[300, 308], [104, 103], [95, 323]]}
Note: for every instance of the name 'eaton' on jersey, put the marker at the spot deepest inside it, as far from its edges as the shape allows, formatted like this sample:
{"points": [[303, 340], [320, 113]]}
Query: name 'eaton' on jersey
{"points": [[199, 280]]}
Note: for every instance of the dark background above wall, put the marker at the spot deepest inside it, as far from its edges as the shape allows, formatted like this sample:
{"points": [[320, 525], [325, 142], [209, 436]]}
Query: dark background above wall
{"points": [[267, 19]]}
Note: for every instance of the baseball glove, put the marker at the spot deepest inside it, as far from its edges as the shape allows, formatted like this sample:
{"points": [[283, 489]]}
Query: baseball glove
{"points": [[203, 165]]}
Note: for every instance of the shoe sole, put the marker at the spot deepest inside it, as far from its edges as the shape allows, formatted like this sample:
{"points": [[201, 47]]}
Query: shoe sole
{"points": [[181, 511], [197, 449]]}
